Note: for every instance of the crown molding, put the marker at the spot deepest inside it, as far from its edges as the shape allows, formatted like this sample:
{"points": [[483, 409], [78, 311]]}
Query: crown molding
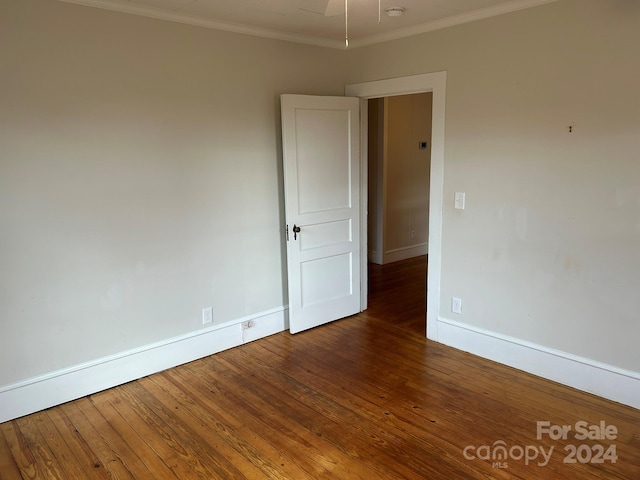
{"points": [[452, 21], [207, 23], [460, 19]]}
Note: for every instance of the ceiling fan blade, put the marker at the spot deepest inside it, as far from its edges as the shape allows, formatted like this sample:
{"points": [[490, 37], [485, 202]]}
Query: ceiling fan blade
{"points": [[334, 8], [328, 8]]}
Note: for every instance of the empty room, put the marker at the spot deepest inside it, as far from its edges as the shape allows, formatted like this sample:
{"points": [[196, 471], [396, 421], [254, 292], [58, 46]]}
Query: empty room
{"points": [[186, 208]]}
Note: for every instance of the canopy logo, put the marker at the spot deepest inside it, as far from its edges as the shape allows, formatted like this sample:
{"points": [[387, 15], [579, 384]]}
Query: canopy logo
{"points": [[499, 453]]}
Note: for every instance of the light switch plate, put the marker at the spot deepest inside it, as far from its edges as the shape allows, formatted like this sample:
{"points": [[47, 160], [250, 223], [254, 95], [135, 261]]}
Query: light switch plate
{"points": [[459, 201]]}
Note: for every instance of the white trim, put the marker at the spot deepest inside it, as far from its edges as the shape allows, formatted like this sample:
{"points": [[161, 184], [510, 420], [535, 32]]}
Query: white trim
{"points": [[601, 379], [428, 82], [446, 22], [404, 253], [173, 16], [178, 17], [67, 384], [364, 204]]}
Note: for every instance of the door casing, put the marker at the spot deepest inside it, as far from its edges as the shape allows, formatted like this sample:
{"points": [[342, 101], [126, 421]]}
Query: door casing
{"points": [[428, 82]]}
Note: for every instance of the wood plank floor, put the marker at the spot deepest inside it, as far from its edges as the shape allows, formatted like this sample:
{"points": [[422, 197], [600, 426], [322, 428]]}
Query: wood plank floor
{"points": [[367, 397], [398, 293]]}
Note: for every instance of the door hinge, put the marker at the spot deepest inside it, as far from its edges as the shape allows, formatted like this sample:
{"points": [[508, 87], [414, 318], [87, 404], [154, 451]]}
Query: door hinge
{"points": [[287, 230]]}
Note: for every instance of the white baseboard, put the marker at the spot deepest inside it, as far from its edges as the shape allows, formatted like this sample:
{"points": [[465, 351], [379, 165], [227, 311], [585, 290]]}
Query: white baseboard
{"points": [[404, 253], [61, 386], [604, 380], [64, 385]]}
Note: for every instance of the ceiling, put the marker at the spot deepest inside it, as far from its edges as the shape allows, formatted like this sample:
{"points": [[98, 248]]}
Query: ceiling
{"points": [[318, 22]]}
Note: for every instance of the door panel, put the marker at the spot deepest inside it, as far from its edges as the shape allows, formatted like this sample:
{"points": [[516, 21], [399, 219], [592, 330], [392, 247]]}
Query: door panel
{"points": [[315, 290], [323, 166], [320, 137], [325, 234]]}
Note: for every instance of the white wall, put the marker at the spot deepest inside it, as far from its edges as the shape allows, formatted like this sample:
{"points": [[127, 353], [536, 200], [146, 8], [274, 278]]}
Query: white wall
{"points": [[140, 179], [547, 250], [407, 123], [140, 176], [398, 188]]}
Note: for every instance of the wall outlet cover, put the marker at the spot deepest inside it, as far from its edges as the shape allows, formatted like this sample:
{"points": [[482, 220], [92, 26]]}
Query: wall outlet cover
{"points": [[456, 305]]}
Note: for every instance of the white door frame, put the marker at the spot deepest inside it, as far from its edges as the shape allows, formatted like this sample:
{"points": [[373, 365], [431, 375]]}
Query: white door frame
{"points": [[428, 82]]}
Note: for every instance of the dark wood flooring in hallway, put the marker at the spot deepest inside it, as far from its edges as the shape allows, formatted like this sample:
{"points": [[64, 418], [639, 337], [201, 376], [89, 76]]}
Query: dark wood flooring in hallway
{"points": [[397, 293]]}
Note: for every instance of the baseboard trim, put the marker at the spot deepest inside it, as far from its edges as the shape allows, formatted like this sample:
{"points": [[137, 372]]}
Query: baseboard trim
{"points": [[588, 375], [404, 253], [55, 388]]}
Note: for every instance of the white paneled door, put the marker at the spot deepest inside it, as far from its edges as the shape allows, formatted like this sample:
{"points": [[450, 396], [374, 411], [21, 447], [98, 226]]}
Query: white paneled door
{"points": [[320, 138]]}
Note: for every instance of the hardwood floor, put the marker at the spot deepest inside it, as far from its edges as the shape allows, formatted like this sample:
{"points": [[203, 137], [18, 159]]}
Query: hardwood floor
{"points": [[397, 293], [367, 397]]}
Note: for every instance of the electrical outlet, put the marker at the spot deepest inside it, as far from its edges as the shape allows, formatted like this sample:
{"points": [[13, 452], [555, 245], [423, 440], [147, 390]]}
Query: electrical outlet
{"points": [[413, 234], [456, 305], [207, 315], [459, 201], [246, 325]]}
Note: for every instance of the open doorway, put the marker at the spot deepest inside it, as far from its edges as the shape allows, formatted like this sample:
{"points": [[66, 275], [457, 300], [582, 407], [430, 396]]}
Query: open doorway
{"points": [[399, 157], [436, 83]]}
